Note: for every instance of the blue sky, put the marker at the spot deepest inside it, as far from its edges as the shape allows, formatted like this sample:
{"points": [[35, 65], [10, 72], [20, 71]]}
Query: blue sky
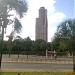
{"points": [[65, 6], [57, 10]]}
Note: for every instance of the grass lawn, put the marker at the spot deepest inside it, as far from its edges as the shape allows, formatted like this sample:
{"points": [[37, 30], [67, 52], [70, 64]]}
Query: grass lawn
{"points": [[38, 73]]}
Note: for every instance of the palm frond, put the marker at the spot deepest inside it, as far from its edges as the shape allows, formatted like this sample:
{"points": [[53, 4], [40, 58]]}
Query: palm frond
{"points": [[17, 26]]}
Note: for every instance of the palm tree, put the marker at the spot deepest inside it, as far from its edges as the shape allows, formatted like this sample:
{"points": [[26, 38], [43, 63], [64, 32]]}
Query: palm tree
{"points": [[66, 30], [19, 7], [16, 29]]}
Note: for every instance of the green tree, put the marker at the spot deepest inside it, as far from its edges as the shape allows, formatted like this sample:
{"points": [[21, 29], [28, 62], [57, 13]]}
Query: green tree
{"points": [[56, 44], [48, 46], [27, 45], [19, 6], [43, 47], [16, 29], [39, 46], [66, 30], [10, 43], [61, 45], [17, 47]]}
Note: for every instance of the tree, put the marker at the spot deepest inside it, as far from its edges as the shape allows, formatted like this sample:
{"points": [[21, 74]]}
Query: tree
{"points": [[66, 30], [19, 6], [17, 47], [9, 43], [16, 29], [61, 44], [27, 45], [48, 46], [43, 47], [39, 46]]}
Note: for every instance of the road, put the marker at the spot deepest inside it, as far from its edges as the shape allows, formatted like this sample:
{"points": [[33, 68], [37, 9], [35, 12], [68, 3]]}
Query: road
{"points": [[35, 64], [24, 66]]}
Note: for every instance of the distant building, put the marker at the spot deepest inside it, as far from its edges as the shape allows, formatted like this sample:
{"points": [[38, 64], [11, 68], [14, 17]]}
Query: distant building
{"points": [[41, 25]]}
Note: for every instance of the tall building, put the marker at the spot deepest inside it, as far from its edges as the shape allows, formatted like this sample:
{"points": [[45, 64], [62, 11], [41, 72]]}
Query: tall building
{"points": [[41, 25]]}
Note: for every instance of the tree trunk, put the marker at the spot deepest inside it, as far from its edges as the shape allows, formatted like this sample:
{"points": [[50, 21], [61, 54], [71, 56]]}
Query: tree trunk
{"points": [[18, 55], [73, 61], [9, 55], [2, 36], [0, 60], [73, 57], [27, 55]]}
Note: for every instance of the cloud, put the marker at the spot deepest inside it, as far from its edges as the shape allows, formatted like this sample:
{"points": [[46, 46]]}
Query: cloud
{"points": [[29, 20], [36, 4], [55, 18], [53, 22]]}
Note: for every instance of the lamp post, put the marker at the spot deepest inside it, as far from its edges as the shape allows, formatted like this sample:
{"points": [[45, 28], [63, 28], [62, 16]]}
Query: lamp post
{"points": [[51, 44], [51, 47]]}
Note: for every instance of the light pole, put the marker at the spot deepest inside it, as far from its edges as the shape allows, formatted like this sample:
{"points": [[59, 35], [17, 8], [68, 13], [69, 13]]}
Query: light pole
{"points": [[51, 44]]}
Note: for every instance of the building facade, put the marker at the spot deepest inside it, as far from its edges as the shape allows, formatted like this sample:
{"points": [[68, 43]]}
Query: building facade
{"points": [[41, 29]]}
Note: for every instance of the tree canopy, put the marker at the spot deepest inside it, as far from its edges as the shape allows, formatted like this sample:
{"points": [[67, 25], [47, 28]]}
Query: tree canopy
{"points": [[65, 35], [19, 7]]}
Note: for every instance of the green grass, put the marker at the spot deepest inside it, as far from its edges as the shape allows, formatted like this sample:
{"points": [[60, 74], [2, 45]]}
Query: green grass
{"points": [[38, 73]]}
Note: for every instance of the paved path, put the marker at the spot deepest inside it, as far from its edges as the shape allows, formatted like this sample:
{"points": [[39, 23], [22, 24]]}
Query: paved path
{"points": [[22, 66]]}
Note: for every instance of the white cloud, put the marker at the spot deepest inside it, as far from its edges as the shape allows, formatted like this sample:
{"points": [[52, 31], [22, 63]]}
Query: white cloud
{"points": [[56, 17], [36, 4], [53, 22], [28, 22]]}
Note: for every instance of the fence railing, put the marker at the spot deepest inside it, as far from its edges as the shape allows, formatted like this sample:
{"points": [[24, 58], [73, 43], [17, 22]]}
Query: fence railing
{"points": [[37, 59]]}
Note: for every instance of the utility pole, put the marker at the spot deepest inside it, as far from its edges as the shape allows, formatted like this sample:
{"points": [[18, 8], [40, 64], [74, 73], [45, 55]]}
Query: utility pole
{"points": [[51, 44]]}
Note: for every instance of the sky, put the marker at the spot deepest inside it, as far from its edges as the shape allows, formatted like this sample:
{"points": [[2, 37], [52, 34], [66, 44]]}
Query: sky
{"points": [[57, 11]]}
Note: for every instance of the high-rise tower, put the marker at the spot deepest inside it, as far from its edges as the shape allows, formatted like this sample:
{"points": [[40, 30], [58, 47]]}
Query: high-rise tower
{"points": [[41, 25]]}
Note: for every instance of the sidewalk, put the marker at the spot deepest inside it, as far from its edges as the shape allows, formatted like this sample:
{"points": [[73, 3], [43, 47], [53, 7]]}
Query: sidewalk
{"points": [[33, 70], [40, 61]]}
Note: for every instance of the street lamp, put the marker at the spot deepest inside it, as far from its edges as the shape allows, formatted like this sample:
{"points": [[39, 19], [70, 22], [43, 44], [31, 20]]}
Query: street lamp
{"points": [[51, 44]]}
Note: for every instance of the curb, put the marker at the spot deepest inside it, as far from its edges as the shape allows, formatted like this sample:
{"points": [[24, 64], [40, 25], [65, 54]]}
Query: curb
{"points": [[51, 62], [33, 70]]}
